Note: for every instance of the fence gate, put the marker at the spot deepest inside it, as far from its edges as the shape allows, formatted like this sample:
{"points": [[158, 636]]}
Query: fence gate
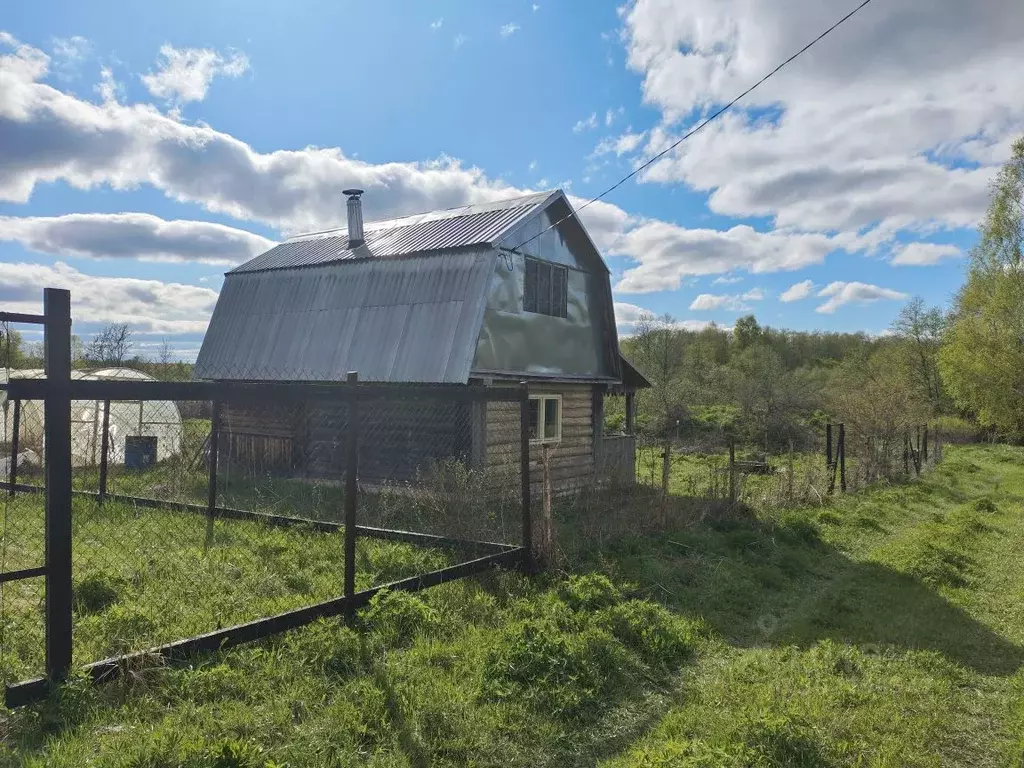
{"points": [[166, 518]]}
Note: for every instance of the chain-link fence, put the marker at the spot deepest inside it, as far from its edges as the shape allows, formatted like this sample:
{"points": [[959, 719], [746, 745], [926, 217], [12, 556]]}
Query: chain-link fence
{"points": [[210, 513]]}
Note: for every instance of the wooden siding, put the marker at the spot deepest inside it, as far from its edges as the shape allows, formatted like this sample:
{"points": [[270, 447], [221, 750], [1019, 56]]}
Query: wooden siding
{"points": [[260, 439], [571, 459]]}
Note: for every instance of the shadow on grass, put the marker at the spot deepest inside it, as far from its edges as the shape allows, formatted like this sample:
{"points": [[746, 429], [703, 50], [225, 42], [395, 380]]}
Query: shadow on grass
{"points": [[758, 584]]}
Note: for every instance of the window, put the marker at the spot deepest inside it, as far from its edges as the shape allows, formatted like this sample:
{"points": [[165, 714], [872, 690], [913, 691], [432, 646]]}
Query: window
{"points": [[545, 288], [545, 418]]}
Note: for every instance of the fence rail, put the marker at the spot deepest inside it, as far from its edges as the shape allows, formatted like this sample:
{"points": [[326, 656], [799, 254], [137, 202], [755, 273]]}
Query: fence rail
{"points": [[144, 516]]}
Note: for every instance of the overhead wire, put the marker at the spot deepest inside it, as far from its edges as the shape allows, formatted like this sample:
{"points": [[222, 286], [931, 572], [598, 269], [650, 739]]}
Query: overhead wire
{"points": [[715, 115]]}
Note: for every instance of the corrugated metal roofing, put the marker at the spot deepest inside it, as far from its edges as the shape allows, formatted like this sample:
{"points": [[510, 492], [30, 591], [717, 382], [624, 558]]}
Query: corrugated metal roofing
{"points": [[453, 228], [392, 320]]}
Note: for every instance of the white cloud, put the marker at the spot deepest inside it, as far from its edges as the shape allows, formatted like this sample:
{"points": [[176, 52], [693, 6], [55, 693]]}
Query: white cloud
{"points": [[586, 124], [924, 254], [797, 291], [627, 316], [620, 145], [666, 253], [132, 236], [536, 7], [149, 306], [754, 294], [68, 55], [732, 302], [871, 128], [727, 280], [532, 166], [841, 293], [612, 115], [185, 74], [459, 40], [436, 24], [508, 29]]}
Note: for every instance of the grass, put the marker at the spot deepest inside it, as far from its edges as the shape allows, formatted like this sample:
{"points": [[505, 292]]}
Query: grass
{"points": [[886, 629]]}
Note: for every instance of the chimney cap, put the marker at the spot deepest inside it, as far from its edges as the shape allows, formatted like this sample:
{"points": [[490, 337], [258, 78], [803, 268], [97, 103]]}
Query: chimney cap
{"points": [[352, 192]]}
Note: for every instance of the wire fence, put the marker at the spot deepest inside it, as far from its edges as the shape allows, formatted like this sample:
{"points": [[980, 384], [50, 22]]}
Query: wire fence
{"points": [[201, 514]]}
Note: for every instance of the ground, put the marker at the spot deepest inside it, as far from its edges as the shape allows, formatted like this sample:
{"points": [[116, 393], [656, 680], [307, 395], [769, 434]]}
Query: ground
{"points": [[884, 629]]}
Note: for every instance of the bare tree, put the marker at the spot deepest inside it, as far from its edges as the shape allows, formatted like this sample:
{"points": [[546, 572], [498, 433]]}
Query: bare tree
{"points": [[921, 328], [111, 345], [165, 355]]}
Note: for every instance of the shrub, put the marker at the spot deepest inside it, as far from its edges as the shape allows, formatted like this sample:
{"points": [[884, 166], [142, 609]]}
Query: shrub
{"points": [[397, 617], [569, 674], [589, 592], [96, 592], [659, 637]]}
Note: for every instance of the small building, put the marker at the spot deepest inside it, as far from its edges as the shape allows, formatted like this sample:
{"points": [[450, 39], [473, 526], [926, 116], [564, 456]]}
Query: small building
{"points": [[482, 295]]}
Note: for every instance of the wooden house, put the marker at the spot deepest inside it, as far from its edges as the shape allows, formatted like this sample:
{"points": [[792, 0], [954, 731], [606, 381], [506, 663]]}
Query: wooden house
{"points": [[483, 295]]}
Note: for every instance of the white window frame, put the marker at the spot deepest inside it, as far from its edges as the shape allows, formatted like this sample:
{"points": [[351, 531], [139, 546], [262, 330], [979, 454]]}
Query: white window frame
{"points": [[541, 415]]}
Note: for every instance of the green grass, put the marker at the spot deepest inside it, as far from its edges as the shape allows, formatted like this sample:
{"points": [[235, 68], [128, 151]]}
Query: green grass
{"points": [[884, 629]]}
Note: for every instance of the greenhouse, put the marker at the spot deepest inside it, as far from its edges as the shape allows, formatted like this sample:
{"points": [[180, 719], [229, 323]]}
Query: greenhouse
{"points": [[128, 418]]}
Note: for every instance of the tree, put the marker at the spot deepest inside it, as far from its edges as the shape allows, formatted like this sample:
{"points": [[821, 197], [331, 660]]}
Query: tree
{"points": [[747, 331], [982, 359], [657, 348], [110, 346], [770, 398], [11, 352], [921, 329]]}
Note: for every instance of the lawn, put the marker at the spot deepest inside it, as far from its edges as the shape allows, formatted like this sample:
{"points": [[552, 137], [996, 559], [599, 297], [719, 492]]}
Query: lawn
{"points": [[884, 629]]}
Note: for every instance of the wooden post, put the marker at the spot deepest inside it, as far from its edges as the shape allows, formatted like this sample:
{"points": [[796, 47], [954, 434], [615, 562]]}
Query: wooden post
{"points": [[16, 417], [104, 449], [211, 486], [924, 446], [842, 458], [828, 446], [666, 468], [630, 413], [906, 453], [351, 486], [547, 540], [57, 436], [524, 471], [732, 470]]}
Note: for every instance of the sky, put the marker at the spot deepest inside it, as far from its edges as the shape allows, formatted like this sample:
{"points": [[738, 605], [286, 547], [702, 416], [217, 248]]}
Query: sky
{"points": [[146, 148]]}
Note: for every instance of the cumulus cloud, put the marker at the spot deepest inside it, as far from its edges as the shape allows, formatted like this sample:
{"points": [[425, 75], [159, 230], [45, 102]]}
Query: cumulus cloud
{"points": [[620, 145], [508, 29], [627, 316], [68, 55], [666, 253], [611, 115], [727, 280], [185, 74], [437, 23], [149, 306], [797, 291], [840, 293], [736, 302], [879, 126], [133, 236], [924, 254]]}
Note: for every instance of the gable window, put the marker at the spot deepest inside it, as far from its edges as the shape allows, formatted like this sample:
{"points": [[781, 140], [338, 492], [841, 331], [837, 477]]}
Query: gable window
{"points": [[545, 288], [545, 418]]}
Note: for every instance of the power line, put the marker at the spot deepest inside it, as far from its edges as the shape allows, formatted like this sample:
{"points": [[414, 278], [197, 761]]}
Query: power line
{"points": [[699, 127]]}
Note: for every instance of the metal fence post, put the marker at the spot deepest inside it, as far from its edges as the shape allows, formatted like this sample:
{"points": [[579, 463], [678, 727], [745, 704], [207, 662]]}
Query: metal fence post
{"points": [[351, 486], [524, 469], [211, 499], [828, 446], [104, 448], [732, 470], [842, 458], [16, 417], [57, 437]]}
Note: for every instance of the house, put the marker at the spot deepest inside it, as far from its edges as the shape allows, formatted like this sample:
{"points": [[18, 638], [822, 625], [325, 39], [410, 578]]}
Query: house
{"points": [[482, 295]]}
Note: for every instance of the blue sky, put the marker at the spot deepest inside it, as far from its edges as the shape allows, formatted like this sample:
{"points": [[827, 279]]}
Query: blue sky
{"points": [[200, 132]]}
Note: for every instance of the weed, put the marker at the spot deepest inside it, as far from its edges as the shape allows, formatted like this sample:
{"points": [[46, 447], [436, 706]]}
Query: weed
{"points": [[398, 617], [96, 592], [589, 592]]}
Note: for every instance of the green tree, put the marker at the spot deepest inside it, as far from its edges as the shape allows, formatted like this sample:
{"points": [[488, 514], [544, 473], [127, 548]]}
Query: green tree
{"points": [[982, 359], [920, 330], [747, 331], [11, 352]]}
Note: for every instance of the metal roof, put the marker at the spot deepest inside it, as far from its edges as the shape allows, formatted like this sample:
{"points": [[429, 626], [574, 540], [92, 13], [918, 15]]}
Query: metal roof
{"points": [[392, 320], [454, 228]]}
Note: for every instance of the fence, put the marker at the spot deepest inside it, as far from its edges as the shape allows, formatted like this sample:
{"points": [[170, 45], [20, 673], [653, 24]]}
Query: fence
{"points": [[816, 463], [164, 518]]}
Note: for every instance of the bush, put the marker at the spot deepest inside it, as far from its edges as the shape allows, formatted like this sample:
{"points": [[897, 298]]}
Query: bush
{"points": [[397, 617], [96, 592], [660, 638], [590, 592], [569, 674]]}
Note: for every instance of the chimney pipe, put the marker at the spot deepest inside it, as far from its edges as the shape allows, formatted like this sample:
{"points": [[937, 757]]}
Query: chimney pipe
{"points": [[355, 217]]}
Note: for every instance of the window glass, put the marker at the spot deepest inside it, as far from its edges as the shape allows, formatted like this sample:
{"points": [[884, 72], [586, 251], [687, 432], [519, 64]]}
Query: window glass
{"points": [[551, 418], [543, 288], [530, 286], [534, 419]]}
